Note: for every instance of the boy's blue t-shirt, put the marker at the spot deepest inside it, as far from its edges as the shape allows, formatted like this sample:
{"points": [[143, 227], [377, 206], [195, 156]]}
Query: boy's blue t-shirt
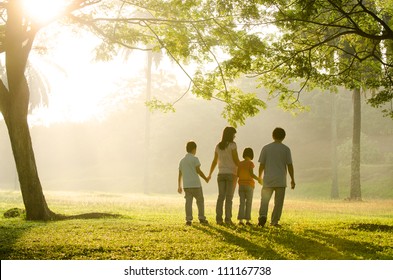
{"points": [[188, 167]]}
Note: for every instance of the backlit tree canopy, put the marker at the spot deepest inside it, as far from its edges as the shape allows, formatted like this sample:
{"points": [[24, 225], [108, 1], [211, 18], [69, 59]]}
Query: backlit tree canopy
{"points": [[314, 42], [326, 43]]}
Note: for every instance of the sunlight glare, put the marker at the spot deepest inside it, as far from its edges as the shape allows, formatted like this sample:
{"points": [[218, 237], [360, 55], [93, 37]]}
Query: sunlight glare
{"points": [[42, 11]]}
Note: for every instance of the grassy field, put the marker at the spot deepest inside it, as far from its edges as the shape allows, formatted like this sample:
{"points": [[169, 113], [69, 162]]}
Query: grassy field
{"points": [[152, 227]]}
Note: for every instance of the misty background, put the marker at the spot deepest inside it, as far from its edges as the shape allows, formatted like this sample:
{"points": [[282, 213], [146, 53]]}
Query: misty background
{"points": [[108, 151]]}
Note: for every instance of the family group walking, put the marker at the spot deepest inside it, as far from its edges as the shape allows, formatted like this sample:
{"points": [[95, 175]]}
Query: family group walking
{"points": [[275, 162]]}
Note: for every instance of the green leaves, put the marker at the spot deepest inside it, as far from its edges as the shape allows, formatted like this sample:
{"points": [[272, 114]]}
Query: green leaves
{"points": [[329, 43], [156, 104], [240, 106]]}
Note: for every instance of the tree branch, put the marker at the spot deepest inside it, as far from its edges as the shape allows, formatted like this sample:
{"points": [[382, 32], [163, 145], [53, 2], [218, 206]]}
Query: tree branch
{"points": [[100, 32], [359, 31], [151, 20], [170, 53], [215, 59], [386, 27]]}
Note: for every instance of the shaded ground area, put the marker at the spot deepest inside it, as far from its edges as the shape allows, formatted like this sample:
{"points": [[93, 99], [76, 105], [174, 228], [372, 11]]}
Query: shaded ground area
{"points": [[17, 212]]}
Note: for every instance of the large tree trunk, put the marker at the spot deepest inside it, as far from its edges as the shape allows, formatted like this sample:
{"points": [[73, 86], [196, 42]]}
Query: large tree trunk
{"points": [[14, 104], [355, 192], [33, 197]]}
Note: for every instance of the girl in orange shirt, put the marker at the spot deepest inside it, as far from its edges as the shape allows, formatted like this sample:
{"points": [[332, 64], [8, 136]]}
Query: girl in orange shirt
{"points": [[246, 186]]}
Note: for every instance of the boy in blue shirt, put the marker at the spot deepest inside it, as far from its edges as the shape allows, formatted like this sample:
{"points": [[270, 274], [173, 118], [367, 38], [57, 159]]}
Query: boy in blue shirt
{"points": [[189, 172]]}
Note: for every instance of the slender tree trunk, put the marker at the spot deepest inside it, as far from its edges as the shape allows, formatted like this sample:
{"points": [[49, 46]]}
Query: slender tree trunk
{"points": [[334, 194], [355, 192], [146, 181], [14, 104]]}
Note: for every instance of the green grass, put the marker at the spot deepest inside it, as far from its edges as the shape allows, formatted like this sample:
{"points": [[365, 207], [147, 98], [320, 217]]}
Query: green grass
{"points": [[152, 227]]}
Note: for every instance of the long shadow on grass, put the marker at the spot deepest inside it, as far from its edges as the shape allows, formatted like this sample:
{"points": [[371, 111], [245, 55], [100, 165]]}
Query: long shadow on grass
{"points": [[16, 212], [315, 244], [372, 227], [281, 243], [257, 251], [87, 216], [308, 247], [353, 249]]}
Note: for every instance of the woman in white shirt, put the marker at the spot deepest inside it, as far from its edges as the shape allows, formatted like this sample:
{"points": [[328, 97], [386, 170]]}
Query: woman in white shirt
{"points": [[226, 156]]}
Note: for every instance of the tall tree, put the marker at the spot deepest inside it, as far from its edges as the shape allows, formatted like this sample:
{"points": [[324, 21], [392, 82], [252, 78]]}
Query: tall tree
{"points": [[14, 103], [146, 177], [355, 190], [334, 193], [186, 30]]}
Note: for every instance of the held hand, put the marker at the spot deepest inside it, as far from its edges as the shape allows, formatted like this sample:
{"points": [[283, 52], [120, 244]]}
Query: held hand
{"points": [[207, 179], [260, 181]]}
